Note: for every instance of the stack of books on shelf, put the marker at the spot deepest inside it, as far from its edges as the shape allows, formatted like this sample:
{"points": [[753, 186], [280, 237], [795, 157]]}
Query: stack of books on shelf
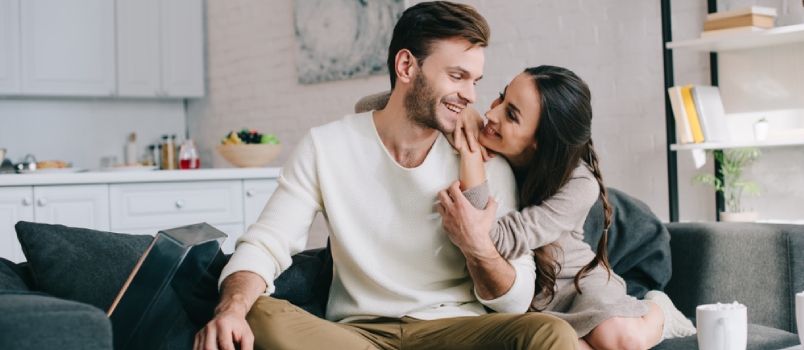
{"points": [[742, 20], [699, 114]]}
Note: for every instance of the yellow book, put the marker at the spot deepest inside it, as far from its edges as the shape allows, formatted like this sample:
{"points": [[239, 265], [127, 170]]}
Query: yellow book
{"points": [[692, 114]]}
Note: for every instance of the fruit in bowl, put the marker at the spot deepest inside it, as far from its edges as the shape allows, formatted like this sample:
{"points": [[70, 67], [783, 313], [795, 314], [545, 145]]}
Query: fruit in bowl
{"points": [[249, 148]]}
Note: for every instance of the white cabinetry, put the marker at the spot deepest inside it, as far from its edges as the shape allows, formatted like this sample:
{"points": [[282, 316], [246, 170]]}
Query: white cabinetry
{"points": [[135, 205], [15, 205], [182, 48], [160, 48], [138, 66], [68, 47], [76, 206], [10, 47]]}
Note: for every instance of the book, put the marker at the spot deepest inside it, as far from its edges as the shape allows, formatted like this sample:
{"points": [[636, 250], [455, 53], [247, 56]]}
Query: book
{"points": [[752, 10], [729, 31], [692, 115], [740, 21], [711, 113], [680, 114]]}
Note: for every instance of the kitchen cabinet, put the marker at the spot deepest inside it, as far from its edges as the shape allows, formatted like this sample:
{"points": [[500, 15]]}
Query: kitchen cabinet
{"points": [[135, 203], [68, 47], [138, 64], [16, 204], [10, 47], [76, 206], [160, 48]]}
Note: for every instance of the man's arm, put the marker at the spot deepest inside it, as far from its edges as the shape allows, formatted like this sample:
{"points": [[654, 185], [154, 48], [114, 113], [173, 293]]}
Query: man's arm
{"points": [[499, 284], [265, 250]]}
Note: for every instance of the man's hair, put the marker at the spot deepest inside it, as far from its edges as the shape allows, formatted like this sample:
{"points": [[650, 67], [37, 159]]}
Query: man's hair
{"points": [[423, 24]]}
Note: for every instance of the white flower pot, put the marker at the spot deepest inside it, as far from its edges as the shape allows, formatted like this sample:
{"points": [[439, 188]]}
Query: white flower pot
{"points": [[747, 216], [761, 130]]}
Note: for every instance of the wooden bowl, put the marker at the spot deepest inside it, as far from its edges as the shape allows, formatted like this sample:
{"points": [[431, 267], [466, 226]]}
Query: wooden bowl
{"points": [[249, 156]]}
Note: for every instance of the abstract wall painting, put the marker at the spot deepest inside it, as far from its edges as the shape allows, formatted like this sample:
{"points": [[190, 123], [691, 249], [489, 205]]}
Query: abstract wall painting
{"points": [[343, 39]]}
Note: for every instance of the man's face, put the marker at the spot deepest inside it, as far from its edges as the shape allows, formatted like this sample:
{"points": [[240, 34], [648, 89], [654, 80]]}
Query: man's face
{"points": [[444, 84]]}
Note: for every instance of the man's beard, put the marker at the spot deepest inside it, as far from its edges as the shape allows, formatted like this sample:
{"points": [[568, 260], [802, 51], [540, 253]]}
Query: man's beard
{"points": [[420, 104]]}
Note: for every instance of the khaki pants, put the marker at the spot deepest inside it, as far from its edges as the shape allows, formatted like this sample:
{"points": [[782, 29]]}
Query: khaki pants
{"points": [[277, 324]]}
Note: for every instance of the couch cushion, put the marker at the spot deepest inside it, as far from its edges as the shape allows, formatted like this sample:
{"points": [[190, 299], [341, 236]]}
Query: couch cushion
{"points": [[36, 321], [759, 338], [80, 264], [9, 278]]}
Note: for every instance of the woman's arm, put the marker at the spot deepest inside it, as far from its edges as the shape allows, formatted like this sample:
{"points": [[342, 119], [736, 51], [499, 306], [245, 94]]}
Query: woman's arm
{"points": [[472, 172], [535, 226]]}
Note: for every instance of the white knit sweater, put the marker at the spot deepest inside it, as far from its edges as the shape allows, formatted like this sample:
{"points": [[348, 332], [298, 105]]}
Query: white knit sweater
{"points": [[391, 255]]}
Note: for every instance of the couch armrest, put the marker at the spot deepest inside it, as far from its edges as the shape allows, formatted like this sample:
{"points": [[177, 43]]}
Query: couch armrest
{"points": [[759, 265], [37, 321]]}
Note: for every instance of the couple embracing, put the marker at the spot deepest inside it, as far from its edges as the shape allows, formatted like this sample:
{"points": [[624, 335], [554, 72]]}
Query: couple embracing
{"points": [[445, 233]]}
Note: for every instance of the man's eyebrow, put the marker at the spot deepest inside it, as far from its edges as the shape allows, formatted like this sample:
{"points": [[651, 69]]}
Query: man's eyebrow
{"points": [[464, 72]]}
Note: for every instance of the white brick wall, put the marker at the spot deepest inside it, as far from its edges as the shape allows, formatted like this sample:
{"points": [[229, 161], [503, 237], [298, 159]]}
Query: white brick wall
{"points": [[615, 45]]}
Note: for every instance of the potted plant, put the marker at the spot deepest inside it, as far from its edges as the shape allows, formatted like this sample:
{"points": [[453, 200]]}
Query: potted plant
{"points": [[733, 163]]}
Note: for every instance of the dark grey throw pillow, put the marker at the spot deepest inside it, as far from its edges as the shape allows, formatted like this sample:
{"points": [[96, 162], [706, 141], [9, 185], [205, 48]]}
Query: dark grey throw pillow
{"points": [[638, 243], [80, 264], [10, 279]]}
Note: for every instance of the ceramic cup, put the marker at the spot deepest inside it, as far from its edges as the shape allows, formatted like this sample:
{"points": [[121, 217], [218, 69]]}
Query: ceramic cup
{"points": [[800, 315], [722, 326]]}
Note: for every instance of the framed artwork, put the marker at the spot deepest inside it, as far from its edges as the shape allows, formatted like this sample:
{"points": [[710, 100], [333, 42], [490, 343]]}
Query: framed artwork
{"points": [[343, 39]]}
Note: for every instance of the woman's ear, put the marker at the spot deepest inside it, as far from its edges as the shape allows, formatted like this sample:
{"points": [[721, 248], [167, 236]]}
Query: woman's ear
{"points": [[406, 66]]}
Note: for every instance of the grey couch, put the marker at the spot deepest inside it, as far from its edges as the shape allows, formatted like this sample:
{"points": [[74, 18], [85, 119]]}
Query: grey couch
{"points": [[759, 265]]}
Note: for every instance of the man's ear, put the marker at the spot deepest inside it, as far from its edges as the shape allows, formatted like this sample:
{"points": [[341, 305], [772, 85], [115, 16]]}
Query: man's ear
{"points": [[406, 66]]}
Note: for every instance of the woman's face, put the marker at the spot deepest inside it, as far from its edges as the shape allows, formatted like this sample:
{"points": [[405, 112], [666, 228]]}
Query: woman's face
{"points": [[512, 121]]}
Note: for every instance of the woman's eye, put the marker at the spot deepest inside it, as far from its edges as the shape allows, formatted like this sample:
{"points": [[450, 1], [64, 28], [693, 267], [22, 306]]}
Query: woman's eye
{"points": [[511, 115], [456, 77]]}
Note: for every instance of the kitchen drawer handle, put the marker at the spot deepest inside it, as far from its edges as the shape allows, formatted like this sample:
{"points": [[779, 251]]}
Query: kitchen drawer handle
{"points": [[26, 201], [42, 202], [179, 204], [251, 193]]}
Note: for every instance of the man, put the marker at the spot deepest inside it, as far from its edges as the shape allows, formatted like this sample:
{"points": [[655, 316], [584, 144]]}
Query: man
{"points": [[399, 280]]}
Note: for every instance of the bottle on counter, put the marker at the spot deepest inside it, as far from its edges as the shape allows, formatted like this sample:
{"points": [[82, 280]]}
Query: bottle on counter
{"points": [[158, 155], [168, 159], [188, 155], [131, 150]]}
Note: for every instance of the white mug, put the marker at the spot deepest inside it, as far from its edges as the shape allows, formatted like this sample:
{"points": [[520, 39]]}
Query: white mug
{"points": [[722, 326], [800, 315]]}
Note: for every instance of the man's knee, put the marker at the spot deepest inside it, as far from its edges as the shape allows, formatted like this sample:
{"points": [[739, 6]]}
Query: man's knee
{"points": [[549, 332]]}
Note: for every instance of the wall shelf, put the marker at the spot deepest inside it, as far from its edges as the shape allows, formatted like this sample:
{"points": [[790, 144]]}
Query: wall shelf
{"points": [[742, 41], [738, 144]]}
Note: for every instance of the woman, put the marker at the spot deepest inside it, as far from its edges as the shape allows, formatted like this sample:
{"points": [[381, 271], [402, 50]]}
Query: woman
{"points": [[542, 125]]}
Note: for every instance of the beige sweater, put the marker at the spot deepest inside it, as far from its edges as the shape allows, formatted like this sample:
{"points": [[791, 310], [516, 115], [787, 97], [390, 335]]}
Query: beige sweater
{"points": [[558, 219], [391, 256]]}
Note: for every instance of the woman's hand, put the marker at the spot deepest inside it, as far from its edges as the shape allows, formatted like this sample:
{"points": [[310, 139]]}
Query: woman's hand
{"points": [[467, 129], [468, 228]]}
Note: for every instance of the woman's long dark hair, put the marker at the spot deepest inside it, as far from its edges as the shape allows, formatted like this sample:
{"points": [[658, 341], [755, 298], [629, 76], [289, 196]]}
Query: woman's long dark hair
{"points": [[563, 138]]}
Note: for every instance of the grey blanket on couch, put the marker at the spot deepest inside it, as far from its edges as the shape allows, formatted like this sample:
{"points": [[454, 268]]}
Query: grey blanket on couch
{"points": [[638, 251]]}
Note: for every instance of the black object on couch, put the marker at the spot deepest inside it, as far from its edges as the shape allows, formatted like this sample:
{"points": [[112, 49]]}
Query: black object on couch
{"points": [[760, 265]]}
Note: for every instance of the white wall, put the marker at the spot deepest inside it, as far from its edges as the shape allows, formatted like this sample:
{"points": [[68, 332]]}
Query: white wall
{"points": [[615, 45], [82, 131]]}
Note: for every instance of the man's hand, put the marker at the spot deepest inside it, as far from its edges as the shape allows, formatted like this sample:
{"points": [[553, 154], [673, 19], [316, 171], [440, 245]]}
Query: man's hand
{"points": [[239, 291], [467, 227], [226, 329]]}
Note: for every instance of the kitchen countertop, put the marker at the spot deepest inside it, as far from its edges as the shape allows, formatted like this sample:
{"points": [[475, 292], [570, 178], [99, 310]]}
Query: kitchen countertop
{"points": [[102, 177]]}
